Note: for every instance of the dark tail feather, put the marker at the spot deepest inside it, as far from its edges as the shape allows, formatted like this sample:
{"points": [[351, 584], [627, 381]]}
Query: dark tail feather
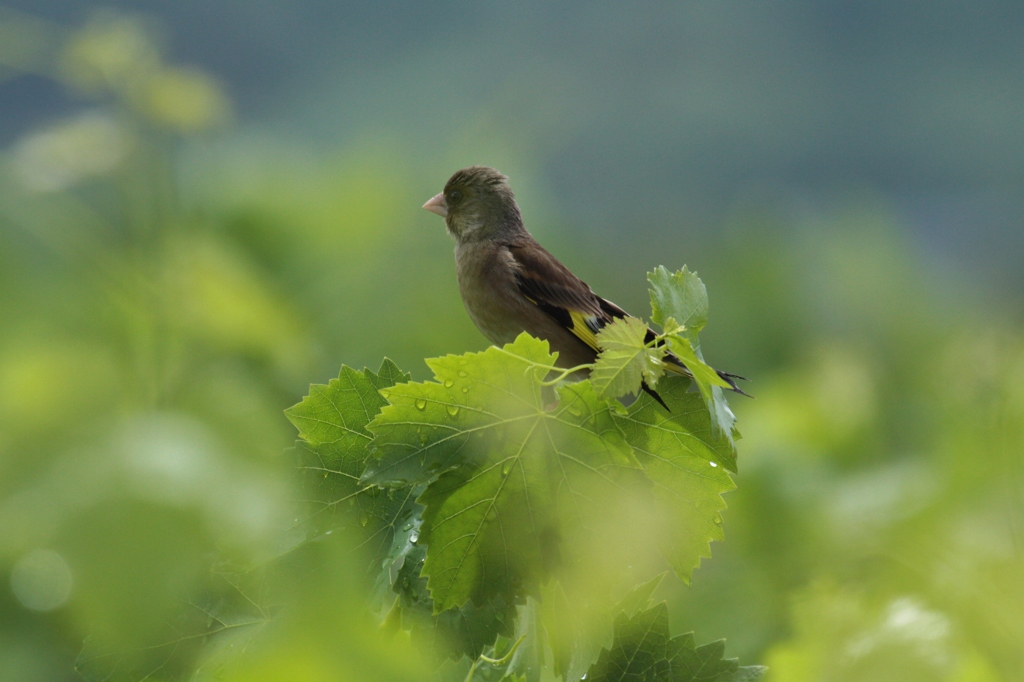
{"points": [[654, 394], [676, 365], [731, 380]]}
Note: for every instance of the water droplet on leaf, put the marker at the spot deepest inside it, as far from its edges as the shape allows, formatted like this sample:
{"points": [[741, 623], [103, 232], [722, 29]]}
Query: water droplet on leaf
{"points": [[421, 404], [453, 410], [462, 373], [448, 383]]}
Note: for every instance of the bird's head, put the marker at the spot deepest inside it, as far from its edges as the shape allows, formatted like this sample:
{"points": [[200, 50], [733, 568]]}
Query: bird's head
{"points": [[477, 203]]}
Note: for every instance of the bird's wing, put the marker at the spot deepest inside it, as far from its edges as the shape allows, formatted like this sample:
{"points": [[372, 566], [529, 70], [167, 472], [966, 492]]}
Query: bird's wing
{"points": [[549, 285], [564, 297]]}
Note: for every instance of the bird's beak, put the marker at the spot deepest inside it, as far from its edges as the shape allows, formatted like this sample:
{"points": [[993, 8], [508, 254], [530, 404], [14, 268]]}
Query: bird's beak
{"points": [[437, 205]]}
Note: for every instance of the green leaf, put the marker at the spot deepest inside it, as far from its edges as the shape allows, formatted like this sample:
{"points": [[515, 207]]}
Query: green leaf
{"points": [[685, 428], [381, 521], [638, 651], [678, 295], [642, 650], [500, 524], [679, 303], [578, 622], [686, 462], [426, 429], [625, 359], [687, 663], [467, 630], [576, 629], [336, 414], [640, 596], [529, 658], [510, 479], [332, 421], [387, 376], [710, 384], [703, 374]]}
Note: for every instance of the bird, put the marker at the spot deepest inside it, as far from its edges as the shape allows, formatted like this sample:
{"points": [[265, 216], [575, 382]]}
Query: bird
{"points": [[510, 283]]}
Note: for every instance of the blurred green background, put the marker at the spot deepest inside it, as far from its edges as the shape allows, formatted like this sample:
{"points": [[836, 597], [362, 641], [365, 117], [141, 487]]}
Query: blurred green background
{"points": [[204, 207]]}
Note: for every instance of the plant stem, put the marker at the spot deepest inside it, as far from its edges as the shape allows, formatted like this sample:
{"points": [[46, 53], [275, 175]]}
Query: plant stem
{"points": [[494, 661]]}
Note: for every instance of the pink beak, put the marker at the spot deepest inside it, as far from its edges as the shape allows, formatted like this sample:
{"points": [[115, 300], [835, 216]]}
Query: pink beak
{"points": [[437, 205]]}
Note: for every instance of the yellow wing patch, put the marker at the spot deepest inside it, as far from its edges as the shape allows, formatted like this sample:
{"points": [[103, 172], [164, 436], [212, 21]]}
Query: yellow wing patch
{"points": [[677, 369], [582, 330]]}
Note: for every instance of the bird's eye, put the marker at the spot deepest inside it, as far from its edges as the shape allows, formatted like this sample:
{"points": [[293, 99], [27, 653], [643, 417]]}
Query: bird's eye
{"points": [[454, 196]]}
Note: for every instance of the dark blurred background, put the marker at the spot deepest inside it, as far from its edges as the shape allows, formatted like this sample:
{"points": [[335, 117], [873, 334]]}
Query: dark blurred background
{"points": [[204, 207]]}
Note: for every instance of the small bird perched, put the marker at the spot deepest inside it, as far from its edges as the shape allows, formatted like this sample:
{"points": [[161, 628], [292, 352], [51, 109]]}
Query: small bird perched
{"points": [[510, 283]]}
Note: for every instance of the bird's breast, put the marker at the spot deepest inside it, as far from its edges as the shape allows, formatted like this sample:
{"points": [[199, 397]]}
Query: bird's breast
{"points": [[489, 291]]}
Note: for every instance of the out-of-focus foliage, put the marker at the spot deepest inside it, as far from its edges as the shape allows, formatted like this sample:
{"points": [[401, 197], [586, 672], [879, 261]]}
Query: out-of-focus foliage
{"points": [[146, 354], [886, 508], [169, 284], [643, 650], [497, 497]]}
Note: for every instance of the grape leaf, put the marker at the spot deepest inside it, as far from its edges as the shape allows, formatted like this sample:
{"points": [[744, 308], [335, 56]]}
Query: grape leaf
{"points": [[466, 630], [710, 384], [638, 651], [579, 623], [679, 303], [625, 359], [387, 376], [506, 521], [576, 630], [336, 414], [640, 596], [509, 479], [682, 346], [427, 427], [686, 462], [332, 421], [643, 650], [528, 660], [678, 295]]}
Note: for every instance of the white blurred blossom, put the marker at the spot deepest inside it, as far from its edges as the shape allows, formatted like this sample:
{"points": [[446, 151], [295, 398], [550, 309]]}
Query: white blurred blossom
{"points": [[51, 160], [174, 459], [907, 623], [41, 580]]}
